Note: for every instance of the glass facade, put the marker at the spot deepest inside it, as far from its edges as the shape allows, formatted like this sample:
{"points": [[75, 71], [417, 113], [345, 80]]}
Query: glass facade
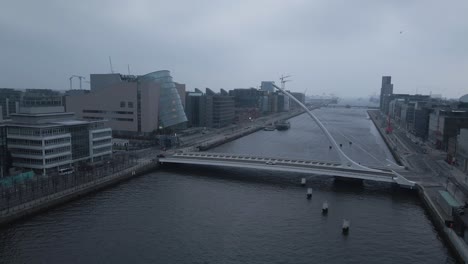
{"points": [[79, 141], [171, 111]]}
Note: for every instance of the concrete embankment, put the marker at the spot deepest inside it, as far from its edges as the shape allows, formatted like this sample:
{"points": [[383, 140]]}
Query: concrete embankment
{"points": [[30, 208], [390, 145], [455, 242]]}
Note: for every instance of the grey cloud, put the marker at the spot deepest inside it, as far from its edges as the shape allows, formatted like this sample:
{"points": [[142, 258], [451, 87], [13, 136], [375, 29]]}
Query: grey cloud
{"points": [[342, 47]]}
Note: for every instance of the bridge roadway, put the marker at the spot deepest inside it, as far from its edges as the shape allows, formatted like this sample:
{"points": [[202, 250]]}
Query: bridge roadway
{"points": [[287, 165]]}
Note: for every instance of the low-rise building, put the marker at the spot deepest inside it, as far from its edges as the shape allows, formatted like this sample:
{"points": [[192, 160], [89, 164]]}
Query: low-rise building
{"points": [[45, 142]]}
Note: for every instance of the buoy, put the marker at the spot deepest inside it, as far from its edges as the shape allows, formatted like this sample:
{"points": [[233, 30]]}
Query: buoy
{"points": [[325, 207], [341, 145], [329, 147], [345, 227], [303, 181], [350, 143], [309, 193]]}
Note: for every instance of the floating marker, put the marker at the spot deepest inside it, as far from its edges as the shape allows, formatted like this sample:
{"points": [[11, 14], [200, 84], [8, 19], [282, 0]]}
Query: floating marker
{"points": [[329, 147], [309, 193], [350, 143], [345, 226], [325, 207], [341, 145], [303, 181]]}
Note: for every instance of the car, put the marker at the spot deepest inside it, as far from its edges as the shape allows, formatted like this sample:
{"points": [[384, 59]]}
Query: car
{"points": [[270, 162], [160, 156]]}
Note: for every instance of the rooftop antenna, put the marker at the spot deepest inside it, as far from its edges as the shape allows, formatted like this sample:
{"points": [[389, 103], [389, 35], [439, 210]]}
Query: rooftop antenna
{"points": [[110, 63], [128, 67]]}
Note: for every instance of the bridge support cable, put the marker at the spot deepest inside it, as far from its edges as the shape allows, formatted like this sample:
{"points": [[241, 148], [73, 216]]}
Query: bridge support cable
{"points": [[391, 165], [344, 159]]}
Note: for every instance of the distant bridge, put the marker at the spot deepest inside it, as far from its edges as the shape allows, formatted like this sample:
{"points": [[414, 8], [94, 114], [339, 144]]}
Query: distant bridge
{"points": [[287, 165]]}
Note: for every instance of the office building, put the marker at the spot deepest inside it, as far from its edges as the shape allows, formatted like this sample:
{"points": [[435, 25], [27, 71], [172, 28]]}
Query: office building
{"points": [[462, 150], [4, 166], [298, 96], [45, 142], [209, 109], [444, 124], [267, 86], [9, 101], [134, 105], [246, 98], [385, 91]]}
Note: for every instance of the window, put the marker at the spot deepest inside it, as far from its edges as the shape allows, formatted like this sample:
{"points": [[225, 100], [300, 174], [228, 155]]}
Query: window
{"points": [[122, 104], [130, 104]]}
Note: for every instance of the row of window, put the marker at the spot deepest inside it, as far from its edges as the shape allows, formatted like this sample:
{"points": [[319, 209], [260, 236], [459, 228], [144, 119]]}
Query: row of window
{"points": [[57, 150], [123, 119], [129, 104], [102, 142], [93, 118], [57, 159], [28, 161], [107, 112], [104, 149], [36, 131], [102, 134], [57, 141], [26, 151], [24, 142]]}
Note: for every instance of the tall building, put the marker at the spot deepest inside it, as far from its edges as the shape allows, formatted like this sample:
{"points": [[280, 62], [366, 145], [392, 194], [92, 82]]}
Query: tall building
{"points": [[267, 86], [445, 124], [134, 105], [298, 96], [209, 109], [195, 109], [246, 98], [385, 91]]}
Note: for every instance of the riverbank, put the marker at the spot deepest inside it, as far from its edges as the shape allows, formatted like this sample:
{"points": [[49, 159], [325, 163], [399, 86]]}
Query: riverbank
{"points": [[30, 208], [243, 131], [428, 188]]}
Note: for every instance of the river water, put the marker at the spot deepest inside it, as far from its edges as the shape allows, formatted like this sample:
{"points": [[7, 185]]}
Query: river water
{"points": [[213, 215]]}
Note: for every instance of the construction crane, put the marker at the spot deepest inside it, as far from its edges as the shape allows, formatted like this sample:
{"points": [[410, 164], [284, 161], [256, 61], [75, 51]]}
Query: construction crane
{"points": [[76, 76], [283, 80]]}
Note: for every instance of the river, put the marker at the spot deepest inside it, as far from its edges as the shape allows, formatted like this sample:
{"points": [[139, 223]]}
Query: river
{"points": [[213, 215]]}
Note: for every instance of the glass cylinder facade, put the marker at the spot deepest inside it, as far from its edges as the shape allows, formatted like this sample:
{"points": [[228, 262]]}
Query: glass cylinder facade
{"points": [[171, 111]]}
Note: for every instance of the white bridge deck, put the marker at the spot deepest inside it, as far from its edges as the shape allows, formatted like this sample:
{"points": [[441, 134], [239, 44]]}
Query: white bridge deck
{"points": [[287, 165]]}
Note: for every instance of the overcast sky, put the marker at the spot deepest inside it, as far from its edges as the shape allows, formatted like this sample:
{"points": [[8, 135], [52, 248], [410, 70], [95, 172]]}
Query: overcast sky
{"points": [[341, 47]]}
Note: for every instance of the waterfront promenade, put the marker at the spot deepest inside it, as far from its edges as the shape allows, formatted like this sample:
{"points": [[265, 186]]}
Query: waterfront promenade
{"points": [[427, 167]]}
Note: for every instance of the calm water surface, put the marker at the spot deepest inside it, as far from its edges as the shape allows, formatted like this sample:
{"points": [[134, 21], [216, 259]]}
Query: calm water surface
{"points": [[205, 215]]}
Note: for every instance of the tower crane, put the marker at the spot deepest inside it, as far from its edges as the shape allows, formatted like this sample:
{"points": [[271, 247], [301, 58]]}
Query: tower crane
{"points": [[76, 76]]}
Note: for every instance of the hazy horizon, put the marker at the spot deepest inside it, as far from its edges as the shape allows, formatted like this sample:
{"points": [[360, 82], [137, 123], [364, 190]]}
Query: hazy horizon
{"points": [[338, 47]]}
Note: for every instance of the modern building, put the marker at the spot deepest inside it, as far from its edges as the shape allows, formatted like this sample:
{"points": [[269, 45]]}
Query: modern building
{"points": [[220, 111], [4, 159], [267, 86], [385, 90], [195, 109], [298, 96], [462, 150], [45, 142], [246, 98], [209, 109], [444, 124], [9, 101], [134, 105]]}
